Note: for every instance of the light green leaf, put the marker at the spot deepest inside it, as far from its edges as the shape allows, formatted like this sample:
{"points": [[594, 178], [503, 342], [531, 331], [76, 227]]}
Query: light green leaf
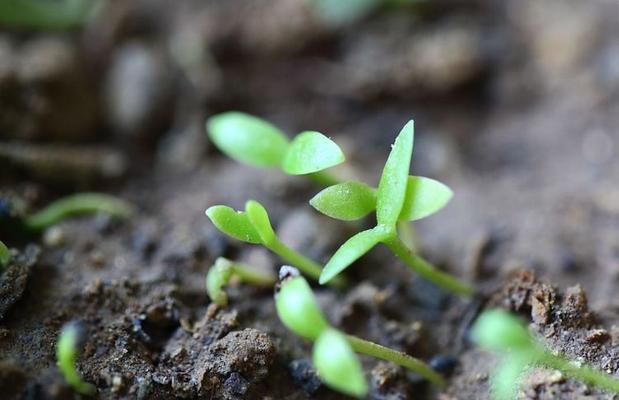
{"points": [[507, 376], [217, 277], [500, 331], [392, 186], [47, 15], [352, 250], [67, 352], [311, 152], [337, 364], [247, 139], [233, 223], [424, 197], [298, 310], [259, 218], [346, 201]]}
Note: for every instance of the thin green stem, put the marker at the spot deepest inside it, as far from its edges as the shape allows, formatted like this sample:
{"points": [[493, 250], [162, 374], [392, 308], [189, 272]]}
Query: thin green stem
{"points": [[584, 373], [427, 270], [251, 275], [306, 265], [407, 234], [397, 357], [324, 178]]}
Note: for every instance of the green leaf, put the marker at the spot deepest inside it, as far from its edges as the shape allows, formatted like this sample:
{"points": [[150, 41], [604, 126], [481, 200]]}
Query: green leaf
{"points": [[352, 250], [5, 255], [78, 204], [298, 310], [247, 139], [311, 152], [259, 218], [424, 197], [47, 15], [346, 201], [392, 186], [233, 223], [507, 376], [501, 331], [217, 277], [66, 355], [337, 364]]}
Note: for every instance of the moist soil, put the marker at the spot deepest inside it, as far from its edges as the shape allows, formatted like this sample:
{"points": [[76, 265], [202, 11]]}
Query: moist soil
{"points": [[516, 107]]}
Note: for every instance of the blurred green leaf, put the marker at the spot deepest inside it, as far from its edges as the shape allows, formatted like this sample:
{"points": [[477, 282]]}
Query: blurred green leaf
{"points": [[424, 197], [259, 218], [46, 14], [346, 201], [248, 139], [311, 152], [392, 186], [353, 249], [5, 255], [298, 310], [507, 376], [499, 330], [337, 364], [233, 223], [217, 277]]}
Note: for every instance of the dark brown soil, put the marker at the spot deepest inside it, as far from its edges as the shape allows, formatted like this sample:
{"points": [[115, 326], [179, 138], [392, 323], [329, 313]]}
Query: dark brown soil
{"points": [[516, 107]]}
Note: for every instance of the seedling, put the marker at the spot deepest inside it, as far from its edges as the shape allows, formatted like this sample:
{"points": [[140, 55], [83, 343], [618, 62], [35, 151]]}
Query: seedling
{"points": [[503, 333], [56, 15], [77, 204], [66, 354], [253, 226], [220, 274], [399, 197], [5, 255], [334, 351], [254, 141]]}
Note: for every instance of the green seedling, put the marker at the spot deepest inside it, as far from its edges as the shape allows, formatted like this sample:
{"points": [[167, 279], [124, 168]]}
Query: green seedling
{"points": [[47, 15], [5, 255], [67, 351], [399, 198], [220, 274], [77, 204], [334, 351], [503, 333], [254, 141], [253, 226]]}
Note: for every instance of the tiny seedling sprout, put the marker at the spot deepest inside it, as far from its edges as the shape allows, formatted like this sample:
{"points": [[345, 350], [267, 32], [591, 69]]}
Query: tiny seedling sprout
{"points": [[77, 204], [67, 351], [254, 141], [501, 332], [399, 197], [220, 274], [5, 255], [253, 226], [334, 352]]}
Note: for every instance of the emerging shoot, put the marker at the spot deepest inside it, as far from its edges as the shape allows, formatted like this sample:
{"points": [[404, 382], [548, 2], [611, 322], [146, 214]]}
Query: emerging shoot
{"points": [[254, 141], [78, 204], [253, 226], [224, 270], [503, 333], [334, 352], [399, 198], [66, 354], [5, 255]]}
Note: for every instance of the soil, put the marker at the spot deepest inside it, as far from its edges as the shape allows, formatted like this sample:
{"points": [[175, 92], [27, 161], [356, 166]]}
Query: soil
{"points": [[516, 107]]}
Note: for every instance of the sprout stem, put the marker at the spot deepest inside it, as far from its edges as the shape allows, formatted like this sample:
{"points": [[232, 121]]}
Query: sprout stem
{"points": [[249, 274], [583, 373], [306, 265], [78, 204], [397, 357], [324, 178], [5, 255], [427, 270], [407, 234]]}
